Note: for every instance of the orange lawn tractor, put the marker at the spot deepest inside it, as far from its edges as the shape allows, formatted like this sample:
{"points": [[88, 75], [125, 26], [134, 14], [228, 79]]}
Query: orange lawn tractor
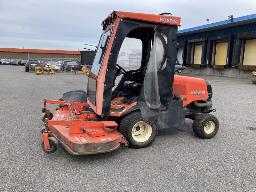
{"points": [[129, 106]]}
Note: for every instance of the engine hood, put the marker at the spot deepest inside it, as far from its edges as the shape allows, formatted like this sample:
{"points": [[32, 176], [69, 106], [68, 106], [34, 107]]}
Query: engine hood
{"points": [[190, 89]]}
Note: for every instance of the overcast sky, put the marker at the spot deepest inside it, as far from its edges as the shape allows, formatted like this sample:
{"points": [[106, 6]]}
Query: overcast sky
{"points": [[68, 24]]}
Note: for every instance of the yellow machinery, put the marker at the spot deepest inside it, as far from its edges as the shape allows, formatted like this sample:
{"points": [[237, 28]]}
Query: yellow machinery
{"points": [[39, 70], [254, 77], [47, 69]]}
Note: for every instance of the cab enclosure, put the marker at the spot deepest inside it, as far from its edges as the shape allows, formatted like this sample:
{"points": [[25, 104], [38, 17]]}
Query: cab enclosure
{"points": [[149, 88]]}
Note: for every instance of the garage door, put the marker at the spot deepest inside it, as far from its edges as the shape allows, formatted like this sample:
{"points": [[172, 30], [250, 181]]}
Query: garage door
{"points": [[250, 53], [198, 53], [221, 52]]}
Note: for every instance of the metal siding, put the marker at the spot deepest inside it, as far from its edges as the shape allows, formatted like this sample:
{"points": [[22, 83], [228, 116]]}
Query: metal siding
{"points": [[224, 23], [250, 53], [221, 53], [198, 53]]}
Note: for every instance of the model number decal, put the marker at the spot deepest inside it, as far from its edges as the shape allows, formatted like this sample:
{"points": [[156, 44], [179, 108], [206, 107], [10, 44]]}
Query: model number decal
{"points": [[198, 92], [168, 20]]}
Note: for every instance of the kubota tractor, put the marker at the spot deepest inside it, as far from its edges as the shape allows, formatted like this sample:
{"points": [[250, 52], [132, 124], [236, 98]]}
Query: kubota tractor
{"points": [[129, 106]]}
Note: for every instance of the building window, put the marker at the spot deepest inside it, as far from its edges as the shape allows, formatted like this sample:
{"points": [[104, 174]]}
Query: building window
{"points": [[249, 56], [220, 53]]}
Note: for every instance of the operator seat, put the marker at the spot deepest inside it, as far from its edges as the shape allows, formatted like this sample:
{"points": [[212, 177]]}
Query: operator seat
{"points": [[131, 88]]}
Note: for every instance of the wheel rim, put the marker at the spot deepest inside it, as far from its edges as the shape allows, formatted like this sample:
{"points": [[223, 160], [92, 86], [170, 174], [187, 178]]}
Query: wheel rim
{"points": [[141, 131], [209, 127]]}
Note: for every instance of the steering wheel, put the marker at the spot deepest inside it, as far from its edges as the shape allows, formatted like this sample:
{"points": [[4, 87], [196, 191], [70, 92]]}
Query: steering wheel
{"points": [[120, 69]]}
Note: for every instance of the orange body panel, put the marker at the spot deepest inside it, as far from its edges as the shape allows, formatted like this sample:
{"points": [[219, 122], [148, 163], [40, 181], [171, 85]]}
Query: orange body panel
{"points": [[91, 140], [190, 89], [151, 18], [101, 77], [118, 108]]}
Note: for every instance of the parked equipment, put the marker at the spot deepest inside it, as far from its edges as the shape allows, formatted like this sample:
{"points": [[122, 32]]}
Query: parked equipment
{"points": [[44, 69], [49, 69], [145, 100], [39, 69], [30, 65], [254, 77]]}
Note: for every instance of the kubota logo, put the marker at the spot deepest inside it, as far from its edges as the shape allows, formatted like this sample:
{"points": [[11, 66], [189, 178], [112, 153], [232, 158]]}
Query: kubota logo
{"points": [[168, 20], [198, 92]]}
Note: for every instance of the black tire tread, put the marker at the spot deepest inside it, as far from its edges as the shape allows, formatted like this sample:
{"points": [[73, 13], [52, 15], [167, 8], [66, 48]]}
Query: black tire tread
{"points": [[198, 123], [126, 125]]}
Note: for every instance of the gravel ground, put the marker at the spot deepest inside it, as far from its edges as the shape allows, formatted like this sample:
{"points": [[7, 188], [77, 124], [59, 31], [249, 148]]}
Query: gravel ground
{"points": [[177, 161]]}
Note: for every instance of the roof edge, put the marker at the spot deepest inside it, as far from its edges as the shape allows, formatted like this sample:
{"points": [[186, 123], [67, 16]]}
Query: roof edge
{"points": [[40, 51], [219, 24]]}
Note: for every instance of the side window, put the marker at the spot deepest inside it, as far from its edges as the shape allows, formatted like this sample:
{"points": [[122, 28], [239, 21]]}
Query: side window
{"points": [[130, 54]]}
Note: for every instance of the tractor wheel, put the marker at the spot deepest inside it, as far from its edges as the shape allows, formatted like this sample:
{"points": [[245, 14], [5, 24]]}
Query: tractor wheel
{"points": [[138, 132], [53, 145], [205, 126]]}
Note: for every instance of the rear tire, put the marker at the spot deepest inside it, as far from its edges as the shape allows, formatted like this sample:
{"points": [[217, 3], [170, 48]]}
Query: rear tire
{"points": [[138, 132], [205, 126]]}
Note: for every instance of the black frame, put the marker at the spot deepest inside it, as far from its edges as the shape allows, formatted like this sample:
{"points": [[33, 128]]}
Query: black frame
{"points": [[126, 27]]}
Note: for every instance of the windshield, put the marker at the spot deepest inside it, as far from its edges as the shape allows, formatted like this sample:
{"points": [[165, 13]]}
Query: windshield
{"points": [[91, 87], [100, 52]]}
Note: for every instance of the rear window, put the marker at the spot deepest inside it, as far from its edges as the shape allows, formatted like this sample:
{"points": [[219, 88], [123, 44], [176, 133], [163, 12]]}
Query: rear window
{"points": [[130, 54]]}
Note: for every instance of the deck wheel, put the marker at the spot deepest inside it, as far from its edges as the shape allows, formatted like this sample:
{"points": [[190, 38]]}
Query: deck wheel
{"points": [[53, 145]]}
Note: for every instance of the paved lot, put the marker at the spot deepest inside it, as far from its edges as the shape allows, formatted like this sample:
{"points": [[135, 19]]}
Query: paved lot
{"points": [[177, 161]]}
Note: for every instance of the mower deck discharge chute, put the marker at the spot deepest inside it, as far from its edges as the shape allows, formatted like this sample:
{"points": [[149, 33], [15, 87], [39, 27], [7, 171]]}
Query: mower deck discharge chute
{"points": [[131, 109]]}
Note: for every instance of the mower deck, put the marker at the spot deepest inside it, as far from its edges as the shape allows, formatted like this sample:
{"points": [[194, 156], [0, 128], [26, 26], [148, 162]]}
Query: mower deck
{"points": [[83, 144], [84, 138]]}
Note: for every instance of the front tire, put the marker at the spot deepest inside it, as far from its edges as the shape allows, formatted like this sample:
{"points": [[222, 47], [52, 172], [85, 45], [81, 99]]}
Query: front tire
{"points": [[205, 126], [138, 132]]}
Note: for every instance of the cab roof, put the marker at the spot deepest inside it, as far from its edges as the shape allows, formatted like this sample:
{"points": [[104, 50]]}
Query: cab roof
{"points": [[163, 19]]}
